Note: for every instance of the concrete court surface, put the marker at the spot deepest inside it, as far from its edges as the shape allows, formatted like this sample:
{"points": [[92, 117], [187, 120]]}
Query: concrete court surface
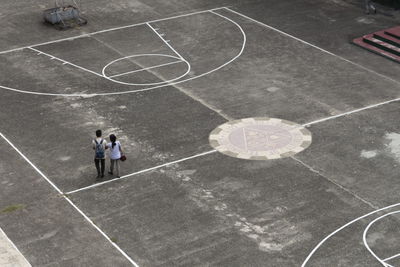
{"points": [[283, 59]]}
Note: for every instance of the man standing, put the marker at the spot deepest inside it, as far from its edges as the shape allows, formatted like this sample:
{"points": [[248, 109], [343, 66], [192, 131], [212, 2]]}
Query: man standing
{"points": [[99, 146], [369, 7]]}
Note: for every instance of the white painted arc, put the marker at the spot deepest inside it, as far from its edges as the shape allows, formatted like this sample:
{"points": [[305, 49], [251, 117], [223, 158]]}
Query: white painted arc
{"points": [[154, 87], [366, 232], [108, 30], [69, 201], [341, 228]]}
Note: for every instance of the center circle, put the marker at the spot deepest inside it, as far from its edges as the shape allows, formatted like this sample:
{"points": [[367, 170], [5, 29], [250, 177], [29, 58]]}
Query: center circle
{"points": [[260, 138], [164, 61]]}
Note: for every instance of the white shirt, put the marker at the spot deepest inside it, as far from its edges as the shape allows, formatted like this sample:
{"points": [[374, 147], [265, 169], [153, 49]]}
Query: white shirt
{"points": [[115, 152]]}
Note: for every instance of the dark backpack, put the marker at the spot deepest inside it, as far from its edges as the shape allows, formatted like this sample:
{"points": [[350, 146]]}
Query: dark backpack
{"points": [[99, 150]]}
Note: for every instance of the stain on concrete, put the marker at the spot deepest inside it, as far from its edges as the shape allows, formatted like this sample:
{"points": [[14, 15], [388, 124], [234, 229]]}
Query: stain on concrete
{"points": [[65, 158], [273, 89], [365, 20], [393, 147], [368, 154]]}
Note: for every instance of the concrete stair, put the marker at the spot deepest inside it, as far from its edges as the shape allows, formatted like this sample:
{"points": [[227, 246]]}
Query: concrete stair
{"points": [[385, 43]]}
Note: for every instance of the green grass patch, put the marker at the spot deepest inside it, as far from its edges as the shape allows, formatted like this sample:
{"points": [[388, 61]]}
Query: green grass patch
{"points": [[114, 239], [12, 208]]}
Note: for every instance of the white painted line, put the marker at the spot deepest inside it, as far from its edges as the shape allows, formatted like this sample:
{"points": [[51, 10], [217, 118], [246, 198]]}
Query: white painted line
{"points": [[148, 68], [365, 236], [314, 46], [149, 88], [392, 257], [352, 111], [101, 231], [165, 42], [65, 62], [66, 198], [163, 82], [30, 163], [142, 171], [341, 228], [10, 255], [108, 30]]}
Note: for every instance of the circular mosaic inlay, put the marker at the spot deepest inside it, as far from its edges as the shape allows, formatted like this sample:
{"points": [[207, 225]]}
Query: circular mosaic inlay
{"points": [[260, 138]]}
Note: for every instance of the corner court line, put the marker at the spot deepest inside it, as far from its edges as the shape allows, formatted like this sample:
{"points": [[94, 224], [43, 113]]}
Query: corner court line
{"points": [[64, 61], [312, 45], [142, 171], [108, 30], [148, 68], [4, 237], [70, 201]]}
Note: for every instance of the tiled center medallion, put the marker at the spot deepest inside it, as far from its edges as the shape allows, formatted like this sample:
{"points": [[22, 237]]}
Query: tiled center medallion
{"points": [[260, 138]]}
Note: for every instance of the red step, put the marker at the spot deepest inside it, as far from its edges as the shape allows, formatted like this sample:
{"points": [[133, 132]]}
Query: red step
{"points": [[360, 42], [381, 35], [369, 39], [394, 32], [385, 43]]}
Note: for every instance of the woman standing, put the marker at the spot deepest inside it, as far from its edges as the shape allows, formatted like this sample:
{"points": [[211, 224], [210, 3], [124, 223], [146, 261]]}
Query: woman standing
{"points": [[115, 154]]}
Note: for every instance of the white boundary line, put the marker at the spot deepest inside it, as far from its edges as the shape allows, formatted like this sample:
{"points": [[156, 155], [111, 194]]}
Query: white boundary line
{"points": [[352, 111], [140, 172], [314, 46], [108, 30], [14, 246], [341, 228], [70, 202], [365, 237], [148, 68], [165, 42], [65, 62], [154, 87]]}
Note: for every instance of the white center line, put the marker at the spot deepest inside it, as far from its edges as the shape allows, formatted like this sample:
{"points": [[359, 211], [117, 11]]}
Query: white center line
{"points": [[148, 68], [140, 172]]}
